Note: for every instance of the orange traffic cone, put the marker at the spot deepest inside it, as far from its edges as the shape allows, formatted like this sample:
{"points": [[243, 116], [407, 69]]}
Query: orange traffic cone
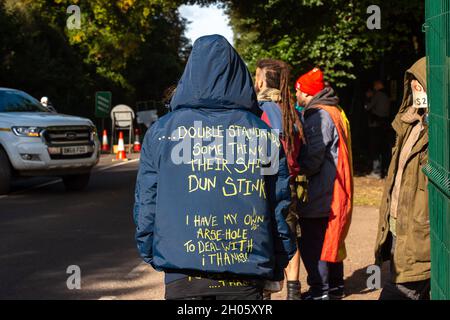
{"points": [[137, 143], [105, 144], [121, 155]]}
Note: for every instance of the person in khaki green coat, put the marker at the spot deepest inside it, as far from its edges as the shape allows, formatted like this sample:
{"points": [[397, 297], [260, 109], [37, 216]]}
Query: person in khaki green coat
{"points": [[404, 228]]}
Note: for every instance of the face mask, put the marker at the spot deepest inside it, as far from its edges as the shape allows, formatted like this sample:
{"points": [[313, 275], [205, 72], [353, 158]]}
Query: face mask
{"points": [[298, 107], [420, 99]]}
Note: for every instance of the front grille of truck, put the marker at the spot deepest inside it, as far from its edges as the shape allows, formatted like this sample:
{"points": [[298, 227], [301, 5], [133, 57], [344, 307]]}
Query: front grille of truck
{"points": [[68, 136], [68, 157]]}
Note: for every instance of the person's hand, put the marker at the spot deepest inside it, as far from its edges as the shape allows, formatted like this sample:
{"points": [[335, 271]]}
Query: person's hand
{"points": [[302, 188]]}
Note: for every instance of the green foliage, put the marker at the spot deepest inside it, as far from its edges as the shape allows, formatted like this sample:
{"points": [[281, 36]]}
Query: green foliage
{"points": [[331, 34], [134, 47], [36, 58], [114, 34]]}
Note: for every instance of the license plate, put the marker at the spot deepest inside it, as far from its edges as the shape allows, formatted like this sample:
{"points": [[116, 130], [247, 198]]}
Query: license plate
{"points": [[74, 150]]}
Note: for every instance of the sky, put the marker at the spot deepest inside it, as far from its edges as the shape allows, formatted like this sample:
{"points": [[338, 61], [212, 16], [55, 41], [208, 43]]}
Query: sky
{"points": [[205, 21]]}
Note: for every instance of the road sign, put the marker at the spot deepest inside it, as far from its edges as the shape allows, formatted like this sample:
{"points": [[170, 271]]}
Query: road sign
{"points": [[102, 103], [122, 116]]}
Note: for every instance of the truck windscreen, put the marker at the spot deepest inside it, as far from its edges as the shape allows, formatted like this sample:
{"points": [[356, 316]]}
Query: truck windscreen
{"points": [[17, 101]]}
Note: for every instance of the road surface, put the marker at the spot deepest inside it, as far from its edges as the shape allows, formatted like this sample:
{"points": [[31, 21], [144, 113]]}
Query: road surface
{"points": [[45, 230]]}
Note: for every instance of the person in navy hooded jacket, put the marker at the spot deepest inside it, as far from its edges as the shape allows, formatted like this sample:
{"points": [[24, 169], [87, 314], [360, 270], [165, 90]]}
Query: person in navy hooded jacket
{"points": [[212, 192]]}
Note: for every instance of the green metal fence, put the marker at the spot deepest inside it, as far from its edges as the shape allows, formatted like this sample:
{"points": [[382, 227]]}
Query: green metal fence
{"points": [[437, 28]]}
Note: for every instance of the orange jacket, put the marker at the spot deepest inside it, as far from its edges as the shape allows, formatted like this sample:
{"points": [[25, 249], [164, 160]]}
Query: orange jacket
{"points": [[333, 249]]}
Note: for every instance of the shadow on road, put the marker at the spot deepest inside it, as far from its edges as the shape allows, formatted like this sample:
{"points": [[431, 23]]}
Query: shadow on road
{"points": [[356, 284]]}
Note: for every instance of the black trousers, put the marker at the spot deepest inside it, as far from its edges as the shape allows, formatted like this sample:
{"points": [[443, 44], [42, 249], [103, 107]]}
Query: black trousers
{"points": [[322, 275], [234, 296], [208, 289], [419, 290]]}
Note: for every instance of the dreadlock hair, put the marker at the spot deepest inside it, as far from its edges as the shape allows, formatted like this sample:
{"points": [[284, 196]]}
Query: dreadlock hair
{"points": [[169, 93], [277, 75]]}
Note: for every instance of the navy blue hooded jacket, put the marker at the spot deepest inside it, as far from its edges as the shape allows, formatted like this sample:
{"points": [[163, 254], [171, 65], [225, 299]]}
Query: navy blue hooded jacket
{"points": [[203, 217]]}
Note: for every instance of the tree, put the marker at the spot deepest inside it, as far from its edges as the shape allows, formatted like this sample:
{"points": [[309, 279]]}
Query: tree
{"points": [[37, 59], [114, 34], [331, 34], [134, 48]]}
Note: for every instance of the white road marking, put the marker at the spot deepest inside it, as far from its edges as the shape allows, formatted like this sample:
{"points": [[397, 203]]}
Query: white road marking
{"points": [[60, 180], [115, 165], [108, 298]]}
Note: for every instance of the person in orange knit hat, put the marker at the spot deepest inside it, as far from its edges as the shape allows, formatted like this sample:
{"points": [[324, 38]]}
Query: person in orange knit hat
{"points": [[311, 83], [326, 161]]}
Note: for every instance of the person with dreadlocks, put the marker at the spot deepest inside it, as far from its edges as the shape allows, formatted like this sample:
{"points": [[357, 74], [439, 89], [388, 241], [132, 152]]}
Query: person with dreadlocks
{"points": [[326, 160], [272, 87]]}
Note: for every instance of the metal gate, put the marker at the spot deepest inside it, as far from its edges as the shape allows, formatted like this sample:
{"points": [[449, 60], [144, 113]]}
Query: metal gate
{"points": [[437, 28]]}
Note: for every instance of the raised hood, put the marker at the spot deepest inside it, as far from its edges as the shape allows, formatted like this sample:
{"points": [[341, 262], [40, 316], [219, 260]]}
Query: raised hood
{"points": [[417, 71], [215, 77]]}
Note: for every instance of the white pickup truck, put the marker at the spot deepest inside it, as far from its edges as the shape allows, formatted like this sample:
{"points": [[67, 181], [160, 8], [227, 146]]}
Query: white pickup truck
{"points": [[37, 142]]}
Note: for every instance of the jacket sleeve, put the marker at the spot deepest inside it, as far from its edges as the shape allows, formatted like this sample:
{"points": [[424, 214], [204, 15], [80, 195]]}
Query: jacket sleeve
{"points": [[319, 132], [285, 247], [145, 198]]}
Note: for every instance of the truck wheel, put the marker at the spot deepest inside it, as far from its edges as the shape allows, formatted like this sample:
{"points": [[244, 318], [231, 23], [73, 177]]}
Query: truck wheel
{"points": [[76, 182], [5, 173]]}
